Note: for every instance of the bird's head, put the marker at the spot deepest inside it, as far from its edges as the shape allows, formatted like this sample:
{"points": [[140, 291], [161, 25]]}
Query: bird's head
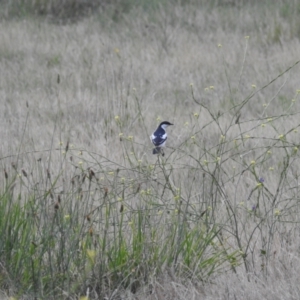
{"points": [[165, 124]]}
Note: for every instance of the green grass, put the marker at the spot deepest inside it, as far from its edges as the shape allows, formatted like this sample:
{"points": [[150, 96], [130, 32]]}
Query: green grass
{"points": [[103, 236]]}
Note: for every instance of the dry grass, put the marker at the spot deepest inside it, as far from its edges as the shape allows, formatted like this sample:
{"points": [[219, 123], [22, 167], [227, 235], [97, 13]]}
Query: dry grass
{"points": [[91, 81]]}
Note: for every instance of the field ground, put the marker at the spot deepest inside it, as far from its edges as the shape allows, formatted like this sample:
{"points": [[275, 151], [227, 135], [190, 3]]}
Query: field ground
{"points": [[88, 212]]}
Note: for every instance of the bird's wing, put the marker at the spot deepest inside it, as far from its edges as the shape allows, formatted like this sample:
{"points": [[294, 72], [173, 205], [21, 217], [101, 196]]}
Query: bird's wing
{"points": [[158, 140]]}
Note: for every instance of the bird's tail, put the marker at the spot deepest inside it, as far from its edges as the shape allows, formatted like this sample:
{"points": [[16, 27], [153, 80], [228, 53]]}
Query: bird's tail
{"points": [[158, 150]]}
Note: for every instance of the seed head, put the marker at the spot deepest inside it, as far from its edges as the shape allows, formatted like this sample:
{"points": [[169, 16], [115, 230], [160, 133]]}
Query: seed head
{"points": [[105, 192], [67, 147], [91, 231]]}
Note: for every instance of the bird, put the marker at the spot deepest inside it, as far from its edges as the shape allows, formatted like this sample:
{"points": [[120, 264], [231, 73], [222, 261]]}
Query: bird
{"points": [[159, 137]]}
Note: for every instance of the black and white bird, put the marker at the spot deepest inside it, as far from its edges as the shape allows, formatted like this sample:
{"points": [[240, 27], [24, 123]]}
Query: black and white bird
{"points": [[159, 137]]}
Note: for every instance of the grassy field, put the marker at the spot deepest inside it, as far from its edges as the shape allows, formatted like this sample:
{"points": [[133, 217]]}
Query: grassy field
{"points": [[86, 210]]}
